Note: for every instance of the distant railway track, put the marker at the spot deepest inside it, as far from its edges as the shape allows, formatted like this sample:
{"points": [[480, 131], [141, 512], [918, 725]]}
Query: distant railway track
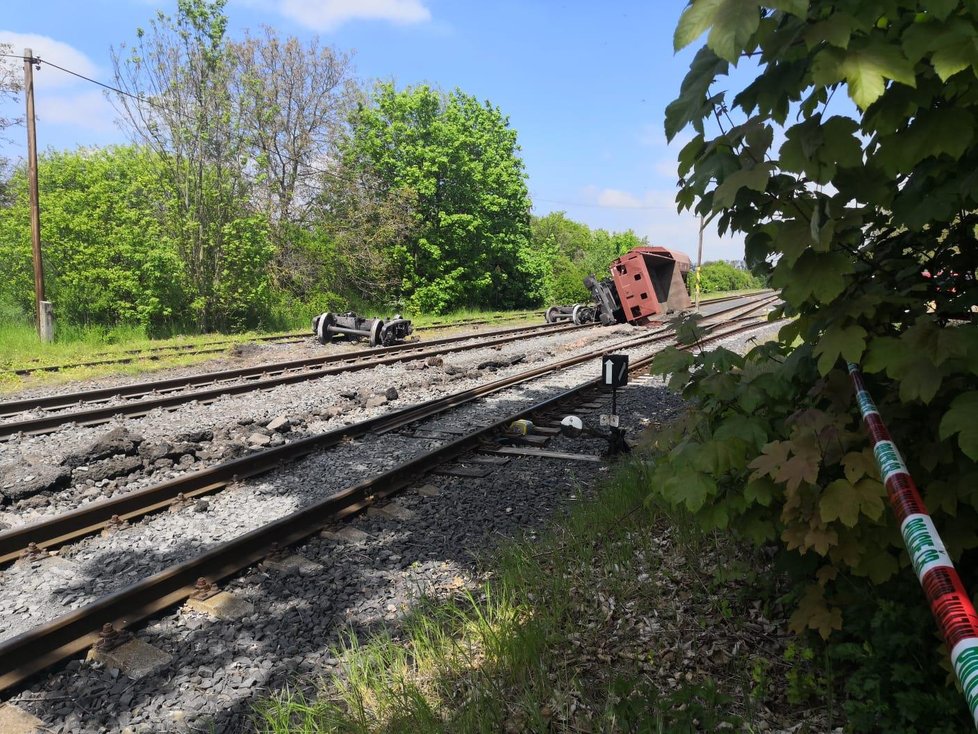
{"points": [[144, 397], [66, 636], [219, 346], [90, 518], [175, 391]]}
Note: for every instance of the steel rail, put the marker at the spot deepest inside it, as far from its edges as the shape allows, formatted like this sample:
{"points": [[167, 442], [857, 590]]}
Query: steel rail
{"points": [[60, 400], [68, 635], [221, 345], [156, 387], [95, 516], [288, 373], [254, 381]]}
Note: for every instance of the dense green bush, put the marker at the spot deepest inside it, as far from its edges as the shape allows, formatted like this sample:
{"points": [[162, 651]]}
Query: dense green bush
{"points": [[852, 217], [722, 276], [564, 252], [107, 257]]}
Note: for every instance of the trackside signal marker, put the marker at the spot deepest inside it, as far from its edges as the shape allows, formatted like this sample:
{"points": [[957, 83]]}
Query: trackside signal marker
{"points": [[949, 602]]}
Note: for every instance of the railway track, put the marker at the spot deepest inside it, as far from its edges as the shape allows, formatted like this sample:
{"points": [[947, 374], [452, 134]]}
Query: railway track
{"points": [[65, 636], [141, 398], [218, 346]]}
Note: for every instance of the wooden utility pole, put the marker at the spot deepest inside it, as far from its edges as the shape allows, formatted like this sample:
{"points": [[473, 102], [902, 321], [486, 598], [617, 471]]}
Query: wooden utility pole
{"points": [[699, 264], [43, 308]]}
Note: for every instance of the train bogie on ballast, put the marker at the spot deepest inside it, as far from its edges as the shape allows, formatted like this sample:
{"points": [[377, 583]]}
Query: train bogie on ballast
{"points": [[379, 332], [644, 283]]}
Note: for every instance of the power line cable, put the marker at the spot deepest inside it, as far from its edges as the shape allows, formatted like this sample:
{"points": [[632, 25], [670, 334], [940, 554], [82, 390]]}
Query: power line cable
{"points": [[600, 206], [157, 105]]}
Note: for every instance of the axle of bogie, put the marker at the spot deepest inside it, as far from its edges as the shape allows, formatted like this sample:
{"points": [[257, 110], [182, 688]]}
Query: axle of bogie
{"points": [[578, 313], [379, 332]]}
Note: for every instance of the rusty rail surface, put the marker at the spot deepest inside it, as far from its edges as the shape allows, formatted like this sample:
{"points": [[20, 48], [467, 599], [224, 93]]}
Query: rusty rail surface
{"points": [[256, 378], [93, 517], [68, 635]]}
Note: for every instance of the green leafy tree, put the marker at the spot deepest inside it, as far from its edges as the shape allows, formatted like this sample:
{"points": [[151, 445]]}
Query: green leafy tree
{"points": [[293, 100], [458, 160], [865, 217], [566, 252], [176, 83], [107, 257], [722, 276]]}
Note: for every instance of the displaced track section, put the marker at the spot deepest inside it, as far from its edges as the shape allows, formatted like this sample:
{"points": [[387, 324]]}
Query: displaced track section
{"points": [[68, 635]]}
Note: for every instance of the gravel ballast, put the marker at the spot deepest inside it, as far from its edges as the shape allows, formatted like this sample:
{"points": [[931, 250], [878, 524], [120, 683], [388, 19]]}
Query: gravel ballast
{"points": [[218, 667]]}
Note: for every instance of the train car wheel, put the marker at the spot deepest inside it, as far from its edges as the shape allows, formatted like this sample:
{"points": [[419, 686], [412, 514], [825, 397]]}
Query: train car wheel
{"points": [[322, 328], [375, 335], [551, 314]]}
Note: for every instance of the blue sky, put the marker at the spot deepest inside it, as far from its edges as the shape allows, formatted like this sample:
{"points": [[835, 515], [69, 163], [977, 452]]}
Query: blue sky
{"points": [[584, 84]]}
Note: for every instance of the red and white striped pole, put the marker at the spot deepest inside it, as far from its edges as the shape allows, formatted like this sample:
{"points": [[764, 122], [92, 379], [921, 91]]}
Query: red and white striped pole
{"points": [[949, 602]]}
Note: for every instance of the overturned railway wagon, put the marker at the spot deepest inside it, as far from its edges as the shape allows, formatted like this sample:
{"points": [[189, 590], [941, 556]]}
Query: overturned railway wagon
{"points": [[644, 283]]}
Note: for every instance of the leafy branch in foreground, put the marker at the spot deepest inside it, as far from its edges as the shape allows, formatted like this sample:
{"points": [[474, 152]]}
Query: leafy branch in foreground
{"points": [[865, 217]]}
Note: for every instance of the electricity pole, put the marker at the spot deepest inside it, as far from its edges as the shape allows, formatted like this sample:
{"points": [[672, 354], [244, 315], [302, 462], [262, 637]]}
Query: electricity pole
{"points": [[45, 325], [699, 265]]}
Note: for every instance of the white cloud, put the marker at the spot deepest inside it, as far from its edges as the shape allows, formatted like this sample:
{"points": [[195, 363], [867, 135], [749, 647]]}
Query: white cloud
{"points": [[48, 49], [88, 110], [652, 214], [613, 198], [327, 15]]}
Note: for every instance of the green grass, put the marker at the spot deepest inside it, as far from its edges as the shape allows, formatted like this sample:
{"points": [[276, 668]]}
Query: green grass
{"points": [[725, 294], [547, 644], [20, 347]]}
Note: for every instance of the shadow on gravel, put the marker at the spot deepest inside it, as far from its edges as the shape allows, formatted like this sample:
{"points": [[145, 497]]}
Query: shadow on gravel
{"points": [[218, 668]]}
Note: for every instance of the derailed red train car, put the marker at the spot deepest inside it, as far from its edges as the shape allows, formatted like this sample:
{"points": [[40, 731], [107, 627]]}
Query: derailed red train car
{"points": [[650, 281], [646, 283]]}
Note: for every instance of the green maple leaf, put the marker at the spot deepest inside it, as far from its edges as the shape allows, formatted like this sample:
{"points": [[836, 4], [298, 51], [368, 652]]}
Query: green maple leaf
{"points": [[940, 9], [795, 7], [841, 146], [919, 378], [952, 45], [752, 178], [821, 275], [743, 427], [869, 493], [836, 30], [731, 24], [933, 133], [756, 529], [734, 23], [962, 419], [844, 501], [696, 18], [878, 566], [689, 487], [720, 359], [670, 361], [882, 352], [760, 490], [859, 464], [719, 457], [694, 102], [864, 69], [848, 341]]}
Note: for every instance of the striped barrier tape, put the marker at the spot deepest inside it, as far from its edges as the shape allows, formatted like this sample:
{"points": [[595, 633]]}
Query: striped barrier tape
{"points": [[949, 602]]}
